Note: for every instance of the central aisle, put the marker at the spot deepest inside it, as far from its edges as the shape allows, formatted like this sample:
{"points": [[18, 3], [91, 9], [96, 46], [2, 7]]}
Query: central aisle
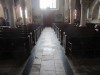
{"points": [[48, 60]]}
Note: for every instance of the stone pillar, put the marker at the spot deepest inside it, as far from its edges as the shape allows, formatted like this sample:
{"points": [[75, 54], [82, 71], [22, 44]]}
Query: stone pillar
{"points": [[84, 5], [31, 11], [22, 4], [66, 11], [72, 8], [2, 7], [10, 6]]}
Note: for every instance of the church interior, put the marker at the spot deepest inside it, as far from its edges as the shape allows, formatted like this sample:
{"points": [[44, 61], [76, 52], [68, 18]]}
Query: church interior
{"points": [[49, 37]]}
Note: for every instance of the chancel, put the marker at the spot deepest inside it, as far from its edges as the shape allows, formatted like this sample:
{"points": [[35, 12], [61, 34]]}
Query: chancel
{"points": [[49, 37]]}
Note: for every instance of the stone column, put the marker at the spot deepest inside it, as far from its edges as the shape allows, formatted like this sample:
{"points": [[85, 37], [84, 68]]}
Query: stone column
{"points": [[2, 7], [31, 11], [72, 8], [66, 10], [22, 4], [10, 7], [84, 5]]}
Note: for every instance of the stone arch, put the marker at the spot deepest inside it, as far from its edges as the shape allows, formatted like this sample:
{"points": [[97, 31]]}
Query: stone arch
{"points": [[95, 6], [96, 11]]}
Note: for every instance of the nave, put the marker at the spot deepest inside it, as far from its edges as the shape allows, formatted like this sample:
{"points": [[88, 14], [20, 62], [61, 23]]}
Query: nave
{"points": [[49, 56], [70, 47]]}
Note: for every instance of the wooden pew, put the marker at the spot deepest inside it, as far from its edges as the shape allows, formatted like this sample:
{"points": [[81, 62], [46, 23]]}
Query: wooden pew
{"points": [[15, 44], [62, 27], [83, 41], [36, 30], [18, 40], [90, 25]]}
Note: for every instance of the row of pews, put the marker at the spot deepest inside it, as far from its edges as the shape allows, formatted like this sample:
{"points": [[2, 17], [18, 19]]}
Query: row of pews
{"points": [[79, 41], [18, 42]]}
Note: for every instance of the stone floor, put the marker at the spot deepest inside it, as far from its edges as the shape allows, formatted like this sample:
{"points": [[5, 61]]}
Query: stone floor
{"points": [[48, 58]]}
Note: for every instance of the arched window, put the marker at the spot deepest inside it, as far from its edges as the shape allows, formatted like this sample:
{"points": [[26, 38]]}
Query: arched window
{"points": [[44, 4]]}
